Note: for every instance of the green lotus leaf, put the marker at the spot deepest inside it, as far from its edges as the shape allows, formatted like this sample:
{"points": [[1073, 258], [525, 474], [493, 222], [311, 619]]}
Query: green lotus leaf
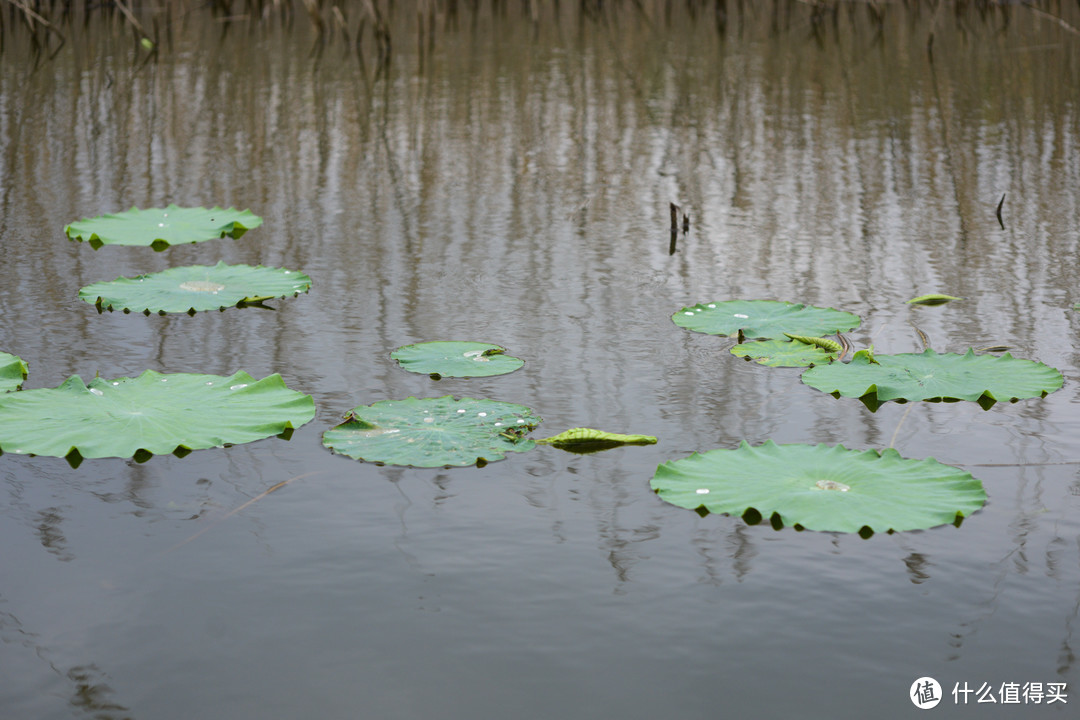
{"points": [[12, 372], [763, 319], [195, 288], [822, 488], [456, 359], [161, 227], [932, 300], [778, 353], [150, 414], [433, 432], [985, 379], [587, 440]]}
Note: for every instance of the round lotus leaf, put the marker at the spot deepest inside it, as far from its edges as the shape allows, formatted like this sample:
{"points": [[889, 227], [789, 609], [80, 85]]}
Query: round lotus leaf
{"points": [[195, 288], [161, 227], [935, 376], [763, 319], [12, 372], [456, 359], [433, 432], [149, 414], [777, 353], [824, 488]]}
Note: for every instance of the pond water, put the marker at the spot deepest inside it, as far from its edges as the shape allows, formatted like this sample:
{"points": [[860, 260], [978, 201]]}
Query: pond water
{"points": [[509, 181]]}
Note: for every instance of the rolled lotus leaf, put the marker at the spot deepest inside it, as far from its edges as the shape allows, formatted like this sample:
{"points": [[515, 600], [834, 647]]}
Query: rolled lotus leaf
{"points": [[932, 299], [818, 487], [986, 379], [161, 227], [763, 319], [13, 372], [433, 432], [151, 414], [827, 344], [196, 288], [586, 440], [456, 359]]}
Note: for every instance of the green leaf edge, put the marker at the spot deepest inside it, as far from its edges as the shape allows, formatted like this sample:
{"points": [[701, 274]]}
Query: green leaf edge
{"points": [[681, 313], [788, 522], [987, 399], [492, 350], [251, 300], [286, 427], [12, 368], [515, 435], [234, 229]]}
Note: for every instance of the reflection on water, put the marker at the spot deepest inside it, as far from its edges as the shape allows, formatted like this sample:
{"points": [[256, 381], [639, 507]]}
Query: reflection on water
{"points": [[507, 179]]}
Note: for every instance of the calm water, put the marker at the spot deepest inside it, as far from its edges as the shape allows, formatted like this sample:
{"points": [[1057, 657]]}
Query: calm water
{"points": [[511, 185]]}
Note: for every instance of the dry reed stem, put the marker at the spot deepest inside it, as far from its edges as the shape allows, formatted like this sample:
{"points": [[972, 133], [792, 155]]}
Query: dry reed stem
{"points": [[130, 17], [1049, 16], [31, 16], [249, 503]]}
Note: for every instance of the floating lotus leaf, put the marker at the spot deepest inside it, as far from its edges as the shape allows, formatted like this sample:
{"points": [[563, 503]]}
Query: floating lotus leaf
{"points": [[932, 300], [151, 414], [433, 432], [822, 488], [985, 379], [763, 319], [778, 353], [456, 359], [12, 372], [195, 288], [161, 227], [587, 440]]}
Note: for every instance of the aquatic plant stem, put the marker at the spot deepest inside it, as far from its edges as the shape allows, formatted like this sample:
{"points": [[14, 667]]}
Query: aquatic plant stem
{"points": [[249, 503], [31, 17], [892, 441], [1051, 17]]}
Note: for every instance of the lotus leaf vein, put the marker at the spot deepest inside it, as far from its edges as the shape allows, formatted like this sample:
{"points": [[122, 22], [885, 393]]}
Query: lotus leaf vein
{"points": [[433, 432], [196, 288], [821, 487], [153, 413], [161, 227], [763, 319]]}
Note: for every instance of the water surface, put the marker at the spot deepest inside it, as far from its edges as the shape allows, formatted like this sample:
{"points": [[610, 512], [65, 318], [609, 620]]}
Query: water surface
{"points": [[511, 184]]}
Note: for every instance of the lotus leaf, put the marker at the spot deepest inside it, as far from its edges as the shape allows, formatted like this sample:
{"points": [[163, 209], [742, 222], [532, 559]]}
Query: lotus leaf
{"points": [[433, 432], [161, 227], [778, 353], [586, 440], [456, 359], [12, 372], [195, 288], [763, 319], [985, 379], [149, 414], [932, 300], [822, 488]]}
